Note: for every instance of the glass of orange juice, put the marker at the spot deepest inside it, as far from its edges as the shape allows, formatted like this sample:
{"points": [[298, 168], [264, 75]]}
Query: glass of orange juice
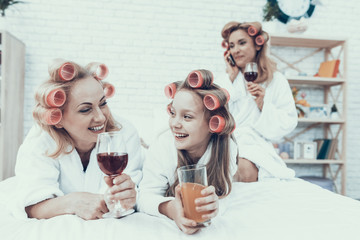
{"points": [[193, 179]]}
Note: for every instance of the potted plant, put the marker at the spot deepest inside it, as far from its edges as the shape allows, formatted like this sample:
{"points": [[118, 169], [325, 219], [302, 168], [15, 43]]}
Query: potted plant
{"points": [[4, 4]]}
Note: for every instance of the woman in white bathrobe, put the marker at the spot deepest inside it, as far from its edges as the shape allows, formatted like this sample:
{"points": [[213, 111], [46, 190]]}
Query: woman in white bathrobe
{"points": [[56, 167], [191, 139], [264, 110]]}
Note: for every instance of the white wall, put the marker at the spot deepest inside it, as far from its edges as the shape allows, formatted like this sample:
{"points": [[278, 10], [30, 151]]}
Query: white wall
{"points": [[147, 44]]}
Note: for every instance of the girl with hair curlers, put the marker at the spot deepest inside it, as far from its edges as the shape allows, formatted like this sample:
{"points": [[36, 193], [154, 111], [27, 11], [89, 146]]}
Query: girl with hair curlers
{"points": [[264, 110], [200, 133], [56, 167]]}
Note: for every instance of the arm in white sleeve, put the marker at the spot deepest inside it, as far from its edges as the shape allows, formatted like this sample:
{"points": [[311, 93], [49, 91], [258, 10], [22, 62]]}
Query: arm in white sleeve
{"points": [[155, 181], [278, 117]]}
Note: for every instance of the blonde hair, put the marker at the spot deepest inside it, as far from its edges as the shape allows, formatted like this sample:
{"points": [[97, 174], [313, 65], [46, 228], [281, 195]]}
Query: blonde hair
{"points": [[60, 135], [266, 66], [218, 168]]}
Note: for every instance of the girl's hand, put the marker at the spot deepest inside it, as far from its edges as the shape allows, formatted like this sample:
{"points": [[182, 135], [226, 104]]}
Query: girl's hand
{"points": [[258, 92], [232, 71], [209, 203], [121, 188]]}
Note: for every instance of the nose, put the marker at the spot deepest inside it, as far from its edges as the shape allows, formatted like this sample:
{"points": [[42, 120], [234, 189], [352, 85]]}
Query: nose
{"points": [[99, 116]]}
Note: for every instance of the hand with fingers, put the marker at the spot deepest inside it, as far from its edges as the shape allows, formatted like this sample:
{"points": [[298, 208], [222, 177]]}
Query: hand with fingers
{"points": [[88, 206], [121, 188], [258, 92], [231, 70]]}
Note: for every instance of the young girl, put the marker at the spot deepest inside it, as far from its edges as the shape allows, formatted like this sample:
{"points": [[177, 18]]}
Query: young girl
{"points": [[200, 133], [56, 167], [264, 110]]}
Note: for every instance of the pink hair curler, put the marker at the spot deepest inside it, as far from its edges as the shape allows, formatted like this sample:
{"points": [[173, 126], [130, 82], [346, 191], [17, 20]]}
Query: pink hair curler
{"points": [[98, 70], [211, 102], [216, 124], [195, 79], [261, 39], [170, 90], [56, 98], [51, 116], [254, 28], [66, 70], [224, 44], [227, 94], [109, 90]]}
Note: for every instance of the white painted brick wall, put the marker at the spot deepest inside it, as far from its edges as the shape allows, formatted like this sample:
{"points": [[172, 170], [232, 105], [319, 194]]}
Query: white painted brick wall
{"points": [[147, 44]]}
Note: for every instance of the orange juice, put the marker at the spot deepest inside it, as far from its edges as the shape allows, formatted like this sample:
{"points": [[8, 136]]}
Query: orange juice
{"points": [[189, 192]]}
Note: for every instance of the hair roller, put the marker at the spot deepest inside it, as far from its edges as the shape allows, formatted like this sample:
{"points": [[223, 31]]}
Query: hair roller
{"points": [[109, 90], [225, 44], [214, 100], [55, 98], [200, 79], [254, 28], [50, 116], [98, 70], [170, 90], [216, 124], [261, 39], [62, 70]]}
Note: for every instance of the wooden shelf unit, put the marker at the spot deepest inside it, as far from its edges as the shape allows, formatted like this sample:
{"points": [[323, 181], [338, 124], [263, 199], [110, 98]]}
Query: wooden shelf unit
{"points": [[321, 44], [11, 101]]}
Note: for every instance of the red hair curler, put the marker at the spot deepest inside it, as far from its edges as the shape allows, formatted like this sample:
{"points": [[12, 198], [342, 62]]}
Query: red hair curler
{"points": [[225, 44], [227, 94], [109, 90], [51, 116], [254, 28], [170, 90], [195, 79], [66, 70], [98, 70], [216, 124], [211, 102], [261, 39], [56, 98]]}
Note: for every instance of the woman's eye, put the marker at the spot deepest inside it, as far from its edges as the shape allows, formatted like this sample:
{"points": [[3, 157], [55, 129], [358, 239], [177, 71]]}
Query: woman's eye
{"points": [[85, 110], [242, 42]]}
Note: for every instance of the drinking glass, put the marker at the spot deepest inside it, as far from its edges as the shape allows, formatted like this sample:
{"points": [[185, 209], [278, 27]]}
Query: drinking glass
{"points": [[112, 158], [193, 179], [251, 71]]}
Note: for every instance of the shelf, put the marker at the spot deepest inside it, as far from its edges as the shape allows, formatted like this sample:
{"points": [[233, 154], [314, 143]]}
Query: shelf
{"points": [[310, 161], [305, 41], [321, 120], [322, 81]]}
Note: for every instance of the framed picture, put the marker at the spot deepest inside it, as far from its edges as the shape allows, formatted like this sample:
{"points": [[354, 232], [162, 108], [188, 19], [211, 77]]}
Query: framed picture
{"points": [[305, 150], [319, 111]]}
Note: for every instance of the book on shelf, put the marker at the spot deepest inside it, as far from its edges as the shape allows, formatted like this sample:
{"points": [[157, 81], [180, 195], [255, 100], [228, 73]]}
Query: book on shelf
{"points": [[326, 148], [329, 69]]}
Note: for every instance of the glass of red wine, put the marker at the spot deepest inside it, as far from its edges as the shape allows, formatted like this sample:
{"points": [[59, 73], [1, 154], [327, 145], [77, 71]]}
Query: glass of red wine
{"points": [[251, 71], [112, 159]]}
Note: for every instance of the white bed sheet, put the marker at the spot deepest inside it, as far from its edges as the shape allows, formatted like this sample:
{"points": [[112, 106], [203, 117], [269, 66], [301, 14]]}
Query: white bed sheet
{"points": [[264, 210]]}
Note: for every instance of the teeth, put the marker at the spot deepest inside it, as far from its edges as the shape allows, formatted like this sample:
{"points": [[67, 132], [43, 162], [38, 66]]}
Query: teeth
{"points": [[97, 128], [180, 135]]}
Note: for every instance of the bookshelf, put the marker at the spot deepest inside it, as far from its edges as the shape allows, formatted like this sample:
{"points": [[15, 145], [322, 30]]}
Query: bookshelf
{"points": [[11, 101], [334, 91]]}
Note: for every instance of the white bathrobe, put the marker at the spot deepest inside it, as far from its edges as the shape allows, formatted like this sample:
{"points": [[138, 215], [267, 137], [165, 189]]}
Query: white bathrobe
{"points": [[40, 177], [160, 169], [256, 129]]}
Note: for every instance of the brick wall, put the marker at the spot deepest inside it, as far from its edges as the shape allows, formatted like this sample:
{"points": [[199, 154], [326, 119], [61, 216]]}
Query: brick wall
{"points": [[147, 44]]}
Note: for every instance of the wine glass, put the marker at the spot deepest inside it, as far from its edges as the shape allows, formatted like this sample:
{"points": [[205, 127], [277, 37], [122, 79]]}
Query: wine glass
{"points": [[112, 158], [251, 71]]}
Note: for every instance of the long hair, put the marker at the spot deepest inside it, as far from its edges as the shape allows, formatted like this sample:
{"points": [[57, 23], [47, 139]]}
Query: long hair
{"points": [[218, 168], [60, 135], [266, 66]]}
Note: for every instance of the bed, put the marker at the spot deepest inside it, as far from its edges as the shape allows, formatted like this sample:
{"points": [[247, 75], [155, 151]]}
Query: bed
{"points": [[292, 209]]}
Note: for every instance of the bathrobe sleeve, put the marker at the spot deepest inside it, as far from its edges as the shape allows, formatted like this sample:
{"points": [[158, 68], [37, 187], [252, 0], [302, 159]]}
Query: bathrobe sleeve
{"points": [[278, 116]]}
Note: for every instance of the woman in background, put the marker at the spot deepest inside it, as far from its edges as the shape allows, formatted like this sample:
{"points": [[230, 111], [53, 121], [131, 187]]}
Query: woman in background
{"points": [[56, 167], [264, 110], [193, 138]]}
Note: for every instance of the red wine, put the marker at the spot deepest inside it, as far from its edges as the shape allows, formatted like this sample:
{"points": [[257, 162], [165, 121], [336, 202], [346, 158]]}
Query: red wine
{"points": [[250, 76], [112, 163]]}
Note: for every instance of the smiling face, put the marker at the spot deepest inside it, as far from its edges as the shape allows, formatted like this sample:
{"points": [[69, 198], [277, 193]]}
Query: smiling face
{"points": [[86, 113], [189, 123], [242, 48]]}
